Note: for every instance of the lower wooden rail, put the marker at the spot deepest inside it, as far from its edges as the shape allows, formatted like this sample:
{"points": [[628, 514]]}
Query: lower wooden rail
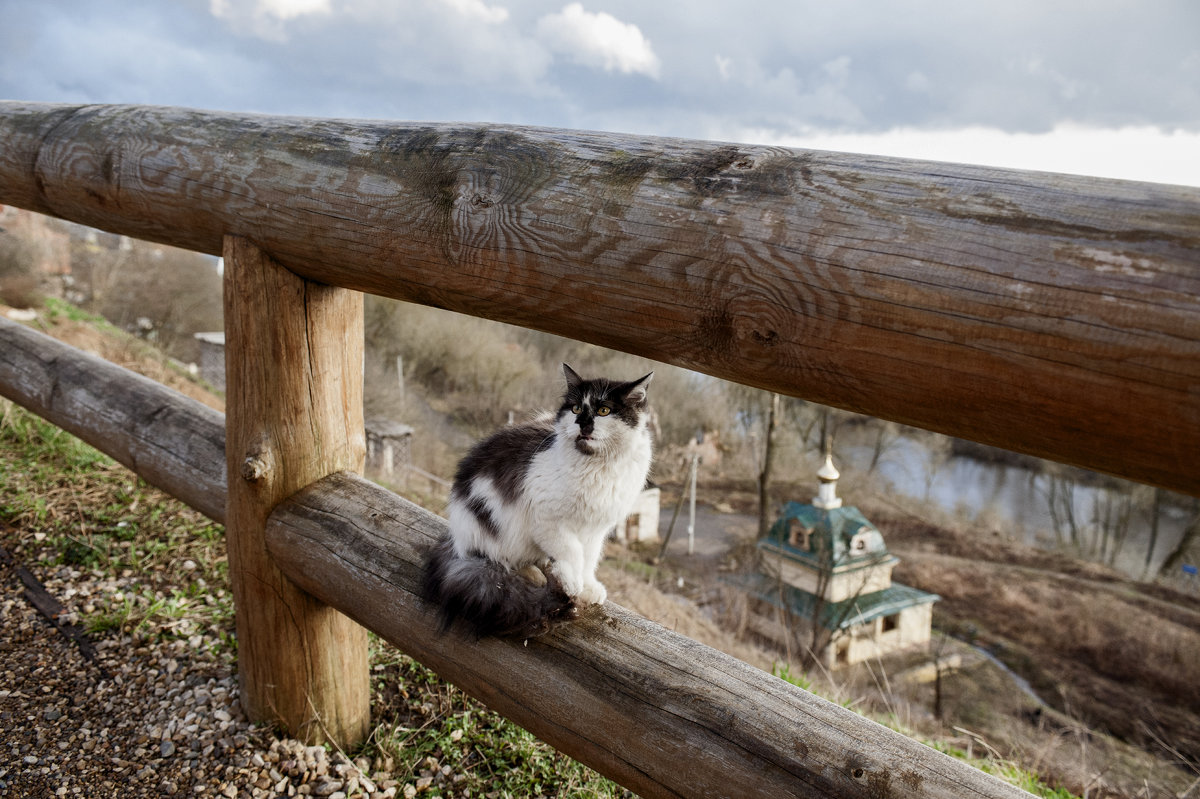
{"points": [[172, 442], [658, 712], [655, 711]]}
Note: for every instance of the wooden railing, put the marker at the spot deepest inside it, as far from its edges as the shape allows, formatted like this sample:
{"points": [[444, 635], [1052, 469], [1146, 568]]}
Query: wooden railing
{"points": [[1048, 314]]}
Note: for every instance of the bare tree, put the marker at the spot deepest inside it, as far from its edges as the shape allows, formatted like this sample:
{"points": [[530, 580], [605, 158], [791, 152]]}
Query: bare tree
{"points": [[764, 476], [19, 280], [1191, 534], [160, 293], [886, 434]]}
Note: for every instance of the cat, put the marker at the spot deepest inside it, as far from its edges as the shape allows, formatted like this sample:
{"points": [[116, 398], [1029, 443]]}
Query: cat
{"points": [[531, 507]]}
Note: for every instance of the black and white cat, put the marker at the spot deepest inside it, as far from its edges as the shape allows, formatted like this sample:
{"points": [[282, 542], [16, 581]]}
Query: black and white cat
{"points": [[532, 505]]}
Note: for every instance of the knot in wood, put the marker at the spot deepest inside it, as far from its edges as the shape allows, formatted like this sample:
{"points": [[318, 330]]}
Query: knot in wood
{"points": [[256, 466]]}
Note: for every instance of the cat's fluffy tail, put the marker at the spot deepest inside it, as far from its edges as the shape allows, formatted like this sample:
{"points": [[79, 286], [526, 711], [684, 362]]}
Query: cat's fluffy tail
{"points": [[489, 599]]}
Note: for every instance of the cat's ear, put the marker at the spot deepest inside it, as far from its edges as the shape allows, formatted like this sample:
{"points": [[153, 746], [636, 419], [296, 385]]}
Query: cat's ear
{"points": [[573, 379], [635, 392]]}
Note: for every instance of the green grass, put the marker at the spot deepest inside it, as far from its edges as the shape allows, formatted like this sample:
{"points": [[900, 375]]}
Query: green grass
{"points": [[1007, 771], [89, 511], [996, 766], [61, 309], [432, 726]]}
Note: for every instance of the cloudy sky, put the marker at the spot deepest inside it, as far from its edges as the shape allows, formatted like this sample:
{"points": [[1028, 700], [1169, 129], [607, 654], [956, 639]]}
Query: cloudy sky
{"points": [[1101, 87]]}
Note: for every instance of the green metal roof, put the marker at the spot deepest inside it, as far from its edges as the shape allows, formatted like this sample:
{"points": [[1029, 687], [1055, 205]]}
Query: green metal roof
{"points": [[852, 611], [831, 532]]}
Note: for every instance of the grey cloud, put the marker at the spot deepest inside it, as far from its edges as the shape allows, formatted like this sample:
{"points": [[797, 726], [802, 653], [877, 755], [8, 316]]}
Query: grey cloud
{"points": [[784, 65]]}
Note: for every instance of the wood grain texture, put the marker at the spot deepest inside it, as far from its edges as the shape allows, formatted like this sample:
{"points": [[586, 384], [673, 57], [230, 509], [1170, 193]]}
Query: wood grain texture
{"points": [[659, 713], [293, 363], [1048, 314], [172, 442]]}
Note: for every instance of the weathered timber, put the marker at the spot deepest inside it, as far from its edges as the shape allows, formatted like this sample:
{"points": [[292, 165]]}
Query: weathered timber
{"points": [[655, 711], [293, 414], [174, 443], [1049, 314]]}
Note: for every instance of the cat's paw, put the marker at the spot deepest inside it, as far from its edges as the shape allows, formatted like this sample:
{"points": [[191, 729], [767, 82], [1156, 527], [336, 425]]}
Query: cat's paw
{"points": [[569, 580], [593, 593]]}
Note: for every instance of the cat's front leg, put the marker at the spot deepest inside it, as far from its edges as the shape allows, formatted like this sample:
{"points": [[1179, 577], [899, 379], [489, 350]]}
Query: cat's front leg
{"points": [[566, 561], [594, 592]]}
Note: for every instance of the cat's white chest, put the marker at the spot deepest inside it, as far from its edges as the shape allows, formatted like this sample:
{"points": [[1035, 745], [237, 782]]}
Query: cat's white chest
{"points": [[589, 493]]}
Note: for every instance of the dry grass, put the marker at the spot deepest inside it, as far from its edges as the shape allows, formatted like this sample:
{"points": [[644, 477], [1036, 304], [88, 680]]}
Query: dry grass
{"points": [[1118, 662], [92, 334]]}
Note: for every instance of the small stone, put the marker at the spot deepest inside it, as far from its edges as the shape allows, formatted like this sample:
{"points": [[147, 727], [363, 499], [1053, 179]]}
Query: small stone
{"points": [[328, 787], [166, 748]]}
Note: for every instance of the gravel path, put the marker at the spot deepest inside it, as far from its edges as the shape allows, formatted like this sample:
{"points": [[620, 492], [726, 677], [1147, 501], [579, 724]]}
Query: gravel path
{"points": [[140, 720]]}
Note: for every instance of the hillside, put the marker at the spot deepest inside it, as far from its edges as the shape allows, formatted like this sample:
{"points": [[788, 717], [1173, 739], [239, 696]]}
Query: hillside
{"points": [[1116, 661], [1112, 663]]}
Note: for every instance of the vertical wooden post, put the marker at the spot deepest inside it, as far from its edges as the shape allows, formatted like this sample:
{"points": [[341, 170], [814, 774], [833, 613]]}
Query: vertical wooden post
{"points": [[293, 362]]}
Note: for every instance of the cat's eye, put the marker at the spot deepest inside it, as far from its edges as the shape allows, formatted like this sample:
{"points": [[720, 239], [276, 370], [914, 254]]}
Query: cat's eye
{"points": [[603, 411], [576, 409]]}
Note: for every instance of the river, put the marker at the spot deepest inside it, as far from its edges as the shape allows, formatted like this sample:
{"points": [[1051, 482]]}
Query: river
{"points": [[1100, 519]]}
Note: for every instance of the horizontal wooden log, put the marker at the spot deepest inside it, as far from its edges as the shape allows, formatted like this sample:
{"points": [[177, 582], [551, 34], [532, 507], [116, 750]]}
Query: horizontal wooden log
{"points": [[657, 712], [171, 441], [1053, 315]]}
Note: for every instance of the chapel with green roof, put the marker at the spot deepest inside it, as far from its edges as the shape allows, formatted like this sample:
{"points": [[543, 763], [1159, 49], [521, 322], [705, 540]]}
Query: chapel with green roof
{"points": [[826, 559]]}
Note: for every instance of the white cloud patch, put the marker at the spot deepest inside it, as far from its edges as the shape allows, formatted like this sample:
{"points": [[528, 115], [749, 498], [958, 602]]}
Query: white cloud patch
{"points": [[598, 40], [820, 95], [266, 18], [1130, 153], [290, 9], [479, 11], [724, 66]]}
